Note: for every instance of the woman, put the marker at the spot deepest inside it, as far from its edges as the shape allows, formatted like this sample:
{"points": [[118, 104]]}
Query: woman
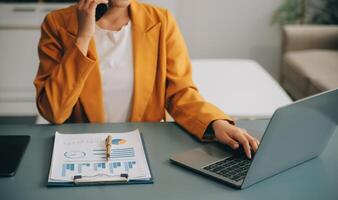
{"points": [[130, 65]]}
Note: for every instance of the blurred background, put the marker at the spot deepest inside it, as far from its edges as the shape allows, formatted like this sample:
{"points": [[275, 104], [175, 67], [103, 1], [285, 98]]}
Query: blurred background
{"points": [[264, 31]]}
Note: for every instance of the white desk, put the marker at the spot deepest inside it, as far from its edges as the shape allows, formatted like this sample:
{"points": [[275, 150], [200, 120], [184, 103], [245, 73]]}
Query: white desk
{"points": [[241, 88]]}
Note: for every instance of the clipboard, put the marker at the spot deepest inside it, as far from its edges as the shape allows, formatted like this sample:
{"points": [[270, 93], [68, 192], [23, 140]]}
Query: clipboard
{"points": [[104, 179]]}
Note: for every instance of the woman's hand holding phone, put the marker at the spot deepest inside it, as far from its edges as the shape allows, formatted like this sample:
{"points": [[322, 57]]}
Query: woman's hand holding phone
{"points": [[86, 22]]}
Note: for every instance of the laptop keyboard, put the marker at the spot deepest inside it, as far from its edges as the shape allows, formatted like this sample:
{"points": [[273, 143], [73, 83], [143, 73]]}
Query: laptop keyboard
{"points": [[234, 168]]}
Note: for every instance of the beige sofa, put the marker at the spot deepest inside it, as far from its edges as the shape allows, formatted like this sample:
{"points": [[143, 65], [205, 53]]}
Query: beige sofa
{"points": [[309, 59]]}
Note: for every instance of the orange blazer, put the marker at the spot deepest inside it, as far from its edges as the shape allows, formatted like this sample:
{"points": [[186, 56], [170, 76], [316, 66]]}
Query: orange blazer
{"points": [[68, 83]]}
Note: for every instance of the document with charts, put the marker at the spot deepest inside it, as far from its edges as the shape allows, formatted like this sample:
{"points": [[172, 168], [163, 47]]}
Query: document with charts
{"points": [[85, 155]]}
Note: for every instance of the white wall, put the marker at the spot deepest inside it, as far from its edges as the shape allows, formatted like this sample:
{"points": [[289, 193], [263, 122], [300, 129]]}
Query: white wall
{"points": [[229, 29]]}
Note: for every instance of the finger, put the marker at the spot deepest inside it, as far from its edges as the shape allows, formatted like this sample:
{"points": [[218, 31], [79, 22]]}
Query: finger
{"points": [[88, 3], [239, 136], [257, 142], [81, 3], [92, 6], [251, 139], [101, 1], [252, 142], [226, 139], [97, 2]]}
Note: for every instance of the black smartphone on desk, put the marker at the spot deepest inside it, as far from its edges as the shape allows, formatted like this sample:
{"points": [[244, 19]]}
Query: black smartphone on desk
{"points": [[12, 148], [101, 9]]}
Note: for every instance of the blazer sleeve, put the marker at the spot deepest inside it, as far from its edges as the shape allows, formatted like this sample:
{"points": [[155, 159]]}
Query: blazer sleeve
{"points": [[62, 72], [183, 101]]}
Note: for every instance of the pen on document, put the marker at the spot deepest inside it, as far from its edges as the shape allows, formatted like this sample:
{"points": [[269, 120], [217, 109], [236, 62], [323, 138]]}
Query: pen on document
{"points": [[108, 147]]}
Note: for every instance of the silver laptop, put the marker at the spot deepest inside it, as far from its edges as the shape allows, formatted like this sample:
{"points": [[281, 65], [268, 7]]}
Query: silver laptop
{"points": [[296, 133]]}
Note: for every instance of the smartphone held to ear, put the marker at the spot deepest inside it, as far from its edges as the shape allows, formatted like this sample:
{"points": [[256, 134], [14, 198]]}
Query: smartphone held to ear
{"points": [[101, 9]]}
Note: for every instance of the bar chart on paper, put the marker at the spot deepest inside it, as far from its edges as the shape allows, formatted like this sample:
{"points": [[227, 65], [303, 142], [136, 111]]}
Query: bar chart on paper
{"points": [[122, 158], [116, 153], [111, 168], [85, 155]]}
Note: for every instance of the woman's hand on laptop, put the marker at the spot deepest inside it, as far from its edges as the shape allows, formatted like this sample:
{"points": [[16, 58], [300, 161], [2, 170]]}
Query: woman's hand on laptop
{"points": [[234, 136]]}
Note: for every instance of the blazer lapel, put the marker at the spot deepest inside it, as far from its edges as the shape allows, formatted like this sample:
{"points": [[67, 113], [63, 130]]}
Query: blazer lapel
{"points": [[145, 36]]}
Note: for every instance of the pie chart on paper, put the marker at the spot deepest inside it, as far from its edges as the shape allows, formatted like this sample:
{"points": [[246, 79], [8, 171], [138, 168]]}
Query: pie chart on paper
{"points": [[118, 141]]}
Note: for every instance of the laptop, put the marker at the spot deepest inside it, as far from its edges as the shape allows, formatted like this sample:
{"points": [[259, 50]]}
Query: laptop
{"points": [[12, 148], [296, 133]]}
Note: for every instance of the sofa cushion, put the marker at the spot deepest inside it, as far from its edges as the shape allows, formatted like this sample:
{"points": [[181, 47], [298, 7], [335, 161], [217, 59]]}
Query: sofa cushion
{"points": [[331, 82], [312, 71]]}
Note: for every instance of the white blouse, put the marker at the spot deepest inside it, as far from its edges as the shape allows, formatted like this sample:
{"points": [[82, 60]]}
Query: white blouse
{"points": [[117, 73]]}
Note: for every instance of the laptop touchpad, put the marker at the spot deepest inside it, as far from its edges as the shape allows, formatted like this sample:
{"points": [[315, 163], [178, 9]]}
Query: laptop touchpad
{"points": [[199, 157]]}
